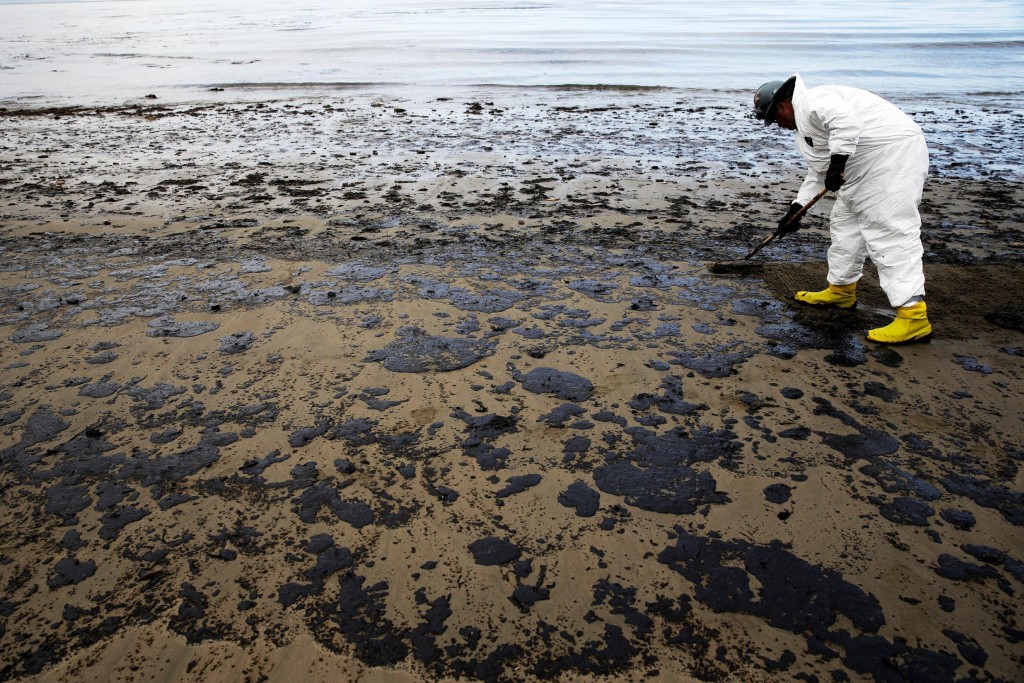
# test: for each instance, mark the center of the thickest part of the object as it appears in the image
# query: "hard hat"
(768, 95)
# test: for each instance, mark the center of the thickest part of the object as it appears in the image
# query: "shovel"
(740, 266)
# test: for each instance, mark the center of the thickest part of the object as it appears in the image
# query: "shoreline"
(443, 389)
(241, 93)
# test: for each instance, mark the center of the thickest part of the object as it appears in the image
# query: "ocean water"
(108, 52)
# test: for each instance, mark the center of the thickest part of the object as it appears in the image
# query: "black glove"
(784, 229)
(834, 175)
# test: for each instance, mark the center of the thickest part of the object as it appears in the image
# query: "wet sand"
(384, 388)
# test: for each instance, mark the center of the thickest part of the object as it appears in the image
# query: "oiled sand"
(384, 389)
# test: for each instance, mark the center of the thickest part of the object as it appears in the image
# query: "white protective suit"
(875, 214)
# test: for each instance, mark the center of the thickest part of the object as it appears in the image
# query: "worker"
(874, 156)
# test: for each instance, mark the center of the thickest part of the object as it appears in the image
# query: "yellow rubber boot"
(837, 296)
(911, 325)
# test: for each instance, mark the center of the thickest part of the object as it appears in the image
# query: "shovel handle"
(792, 219)
(800, 214)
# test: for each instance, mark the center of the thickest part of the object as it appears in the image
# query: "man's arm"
(812, 185)
(841, 121)
(833, 113)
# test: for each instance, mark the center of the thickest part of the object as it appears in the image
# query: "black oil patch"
(416, 351)
(988, 554)
(892, 479)
(790, 593)
(33, 333)
(356, 622)
(481, 431)
(518, 484)
(102, 358)
(168, 327)
(718, 363)
(70, 571)
(43, 425)
(304, 435)
(968, 647)
(971, 364)
(562, 414)
(613, 652)
(678, 490)
(1009, 316)
(622, 601)
(492, 551)
(325, 494)
(670, 401)
(488, 301)
(330, 559)
(67, 501)
(371, 397)
(99, 389)
(955, 569)
(191, 619)
(117, 519)
(960, 519)
(564, 385)
(908, 511)
(154, 397)
(353, 294)
(866, 444)
(237, 342)
(582, 498)
(658, 476)
(879, 390)
(986, 494)
(826, 330)
(777, 493)
(897, 661)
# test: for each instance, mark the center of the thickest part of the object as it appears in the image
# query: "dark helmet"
(768, 95)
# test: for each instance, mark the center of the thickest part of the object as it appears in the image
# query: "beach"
(383, 386)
